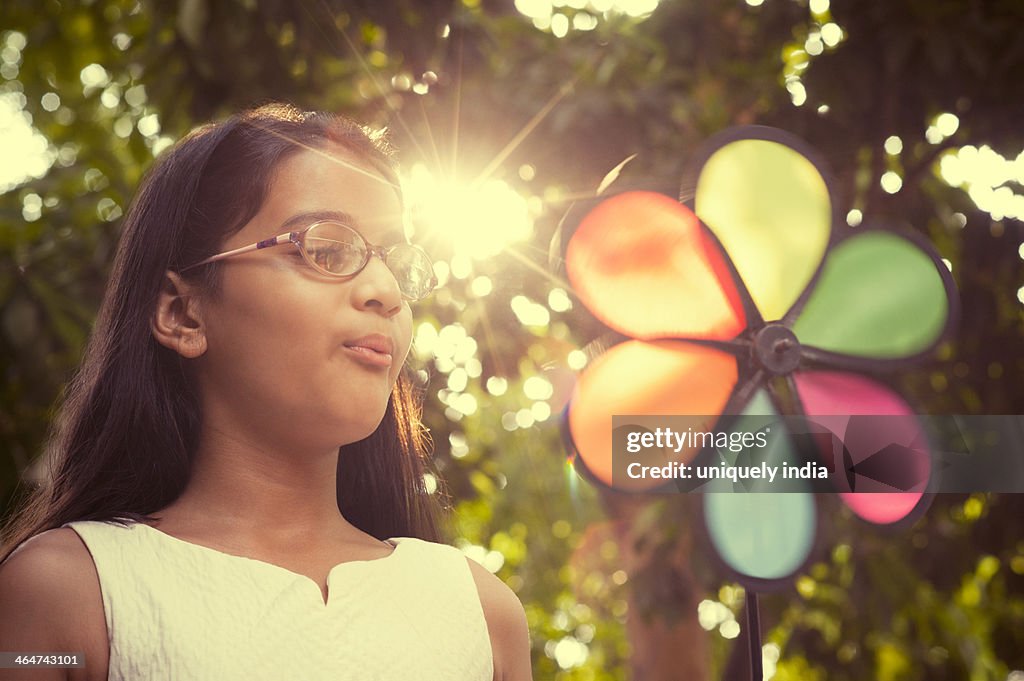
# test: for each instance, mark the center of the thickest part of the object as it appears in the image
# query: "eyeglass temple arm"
(266, 243)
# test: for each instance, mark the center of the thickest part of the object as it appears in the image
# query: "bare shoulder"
(506, 624)
(50, 601)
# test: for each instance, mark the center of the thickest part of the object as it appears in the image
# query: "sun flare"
(475, 220)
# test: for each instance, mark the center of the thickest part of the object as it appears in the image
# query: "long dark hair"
(122, 447)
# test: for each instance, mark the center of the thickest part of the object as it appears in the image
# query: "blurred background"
(504, 114)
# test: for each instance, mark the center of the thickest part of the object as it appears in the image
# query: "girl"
(236, 488)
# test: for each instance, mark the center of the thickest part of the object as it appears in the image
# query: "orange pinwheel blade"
(635, 378)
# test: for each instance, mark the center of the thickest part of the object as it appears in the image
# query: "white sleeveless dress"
(177, 610)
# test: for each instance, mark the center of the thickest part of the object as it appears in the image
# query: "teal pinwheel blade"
(763, 538)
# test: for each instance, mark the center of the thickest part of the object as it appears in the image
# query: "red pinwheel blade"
(646, 267)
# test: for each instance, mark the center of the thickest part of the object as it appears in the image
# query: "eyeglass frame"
(298, 238)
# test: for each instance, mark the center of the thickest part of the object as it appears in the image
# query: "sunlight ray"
(531, 265)
(572, 196)
(430, 133)
(374, 175)
(491, 346)
(525, 131)
(457, 113)
(376, 81)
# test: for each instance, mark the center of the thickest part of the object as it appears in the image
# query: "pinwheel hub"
(777, 349)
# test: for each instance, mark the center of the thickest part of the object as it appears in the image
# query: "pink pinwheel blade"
(886, 448)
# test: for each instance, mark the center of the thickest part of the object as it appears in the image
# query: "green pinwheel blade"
(879, 296)
(770, 208)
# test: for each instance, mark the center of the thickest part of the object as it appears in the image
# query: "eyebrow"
(304, 219)
(310, 217)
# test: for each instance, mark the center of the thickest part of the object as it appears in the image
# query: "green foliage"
(874, 608)
(457, 82)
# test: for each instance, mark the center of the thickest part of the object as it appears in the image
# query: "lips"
(374, 350)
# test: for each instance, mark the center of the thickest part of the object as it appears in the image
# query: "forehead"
(328, 180)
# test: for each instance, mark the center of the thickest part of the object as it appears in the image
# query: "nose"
(375, 288)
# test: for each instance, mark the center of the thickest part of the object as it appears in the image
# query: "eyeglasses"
(336, 250)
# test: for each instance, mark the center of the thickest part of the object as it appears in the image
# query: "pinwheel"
(746, 305)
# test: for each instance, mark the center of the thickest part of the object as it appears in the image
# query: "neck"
(260, 493)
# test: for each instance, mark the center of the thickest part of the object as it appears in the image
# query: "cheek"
(403, 341)
(253, 328)
(268, 329)
(406, 327)
(265, 357)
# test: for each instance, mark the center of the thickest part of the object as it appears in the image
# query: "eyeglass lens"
(340, 250)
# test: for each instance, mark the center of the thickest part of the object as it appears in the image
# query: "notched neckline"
(396, 542)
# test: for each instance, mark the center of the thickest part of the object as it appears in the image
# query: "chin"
(364, 428)
(353, 415)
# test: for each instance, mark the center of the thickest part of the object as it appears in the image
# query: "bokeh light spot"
(893, 145)
(891, 182)
(831, 34)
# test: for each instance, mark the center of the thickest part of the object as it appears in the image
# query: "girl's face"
(295, 355)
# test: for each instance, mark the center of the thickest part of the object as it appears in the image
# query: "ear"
(177, 320)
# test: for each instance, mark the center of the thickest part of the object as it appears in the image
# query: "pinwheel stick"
(754, 636)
